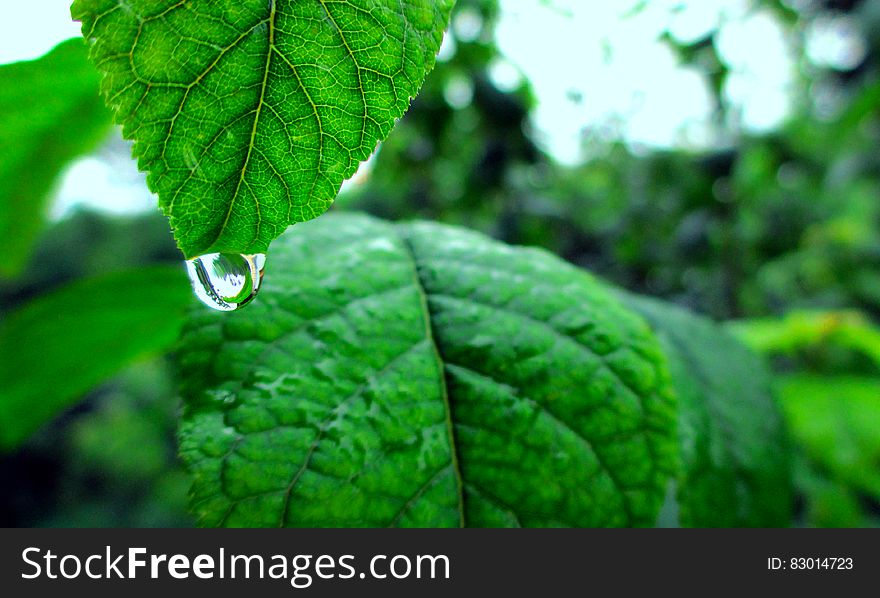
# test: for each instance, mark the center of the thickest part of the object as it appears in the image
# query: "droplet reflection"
(226, 281)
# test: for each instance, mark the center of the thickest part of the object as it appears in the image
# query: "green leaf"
(60, 345)
(804, 329)
(735, 454)
(50, 113)
(421, 375)
(249, 114)
(836, 420)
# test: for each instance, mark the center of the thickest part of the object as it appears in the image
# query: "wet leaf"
(421, 375)
(735, 453)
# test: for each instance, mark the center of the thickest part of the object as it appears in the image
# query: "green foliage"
(772, 222)
(414, 374)
(735, 453)
(799, 331)
(50, 113)
(87, 244)
(420, 375)
(248, 115)
(109, 463)
(831, 406)
(62, 344)
(834, 419)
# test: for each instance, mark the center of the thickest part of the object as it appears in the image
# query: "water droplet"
(226, 281)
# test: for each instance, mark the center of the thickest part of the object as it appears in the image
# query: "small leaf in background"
(60, 345)
(834, 419)
(734, 450)
(421, 375)
(803, 329)
(248, 115)
(50, 113)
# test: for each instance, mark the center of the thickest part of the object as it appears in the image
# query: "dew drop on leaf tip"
(226, 281)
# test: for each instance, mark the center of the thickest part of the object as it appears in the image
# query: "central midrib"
(429, 332)
(247, 158)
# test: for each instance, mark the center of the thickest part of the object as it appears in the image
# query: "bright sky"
(30, 29)
(597, 68)
(602, 68)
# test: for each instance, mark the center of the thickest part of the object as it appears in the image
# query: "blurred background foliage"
(774, 228)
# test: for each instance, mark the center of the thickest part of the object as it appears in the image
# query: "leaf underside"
(247, 115)
(420, 375)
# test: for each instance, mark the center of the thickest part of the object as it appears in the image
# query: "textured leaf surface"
(50, 113)
(249, 114)
(419, 375)
(60, 345)
(736, 460)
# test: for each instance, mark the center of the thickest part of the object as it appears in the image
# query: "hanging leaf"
(247, 115)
